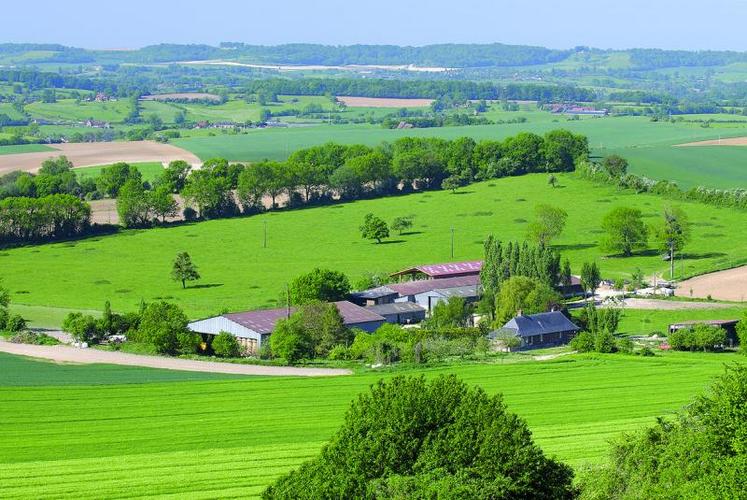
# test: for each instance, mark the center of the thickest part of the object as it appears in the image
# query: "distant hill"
(442, 55)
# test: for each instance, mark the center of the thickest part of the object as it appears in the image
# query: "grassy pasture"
(647, 144)
(647, 321)
(223, 438)
(149, 170)
(238, 273)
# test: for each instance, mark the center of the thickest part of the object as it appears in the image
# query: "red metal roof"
(445, 270)
(264, 320)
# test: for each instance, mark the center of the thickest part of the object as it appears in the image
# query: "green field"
(24, 148)
(646, 321)
(230, 438)
(238, 273)
(647, 144)
(149, 170)
(69, 109)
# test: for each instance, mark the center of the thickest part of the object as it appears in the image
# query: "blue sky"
(683, 24)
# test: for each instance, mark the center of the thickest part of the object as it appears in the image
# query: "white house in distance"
(253, 328)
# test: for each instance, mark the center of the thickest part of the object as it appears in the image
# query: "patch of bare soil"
(730, 284)
(731, 141)
(383, 102)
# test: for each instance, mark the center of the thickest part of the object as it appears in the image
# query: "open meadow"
(100, 431)
(239, 274)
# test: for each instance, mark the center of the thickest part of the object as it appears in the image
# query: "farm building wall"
(546, 340)
(249, 340)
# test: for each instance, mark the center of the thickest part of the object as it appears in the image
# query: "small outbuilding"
(548, 329)
(401, 313)
(728, 325)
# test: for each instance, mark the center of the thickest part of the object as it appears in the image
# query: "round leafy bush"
(226, 345)
(412, 438)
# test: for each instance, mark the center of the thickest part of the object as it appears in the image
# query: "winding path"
(66, 354)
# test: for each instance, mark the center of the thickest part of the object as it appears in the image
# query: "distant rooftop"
(446, 270)
(374, 293)
(459, 291)
(396, 308)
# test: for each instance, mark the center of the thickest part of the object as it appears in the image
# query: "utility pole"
(452, 242)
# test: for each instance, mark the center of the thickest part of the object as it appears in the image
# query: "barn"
(253, 328)
(402, 313)
(440, 271)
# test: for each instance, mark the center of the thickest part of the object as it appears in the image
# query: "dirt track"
(88, 154)
(732, 141)
(65, 354)
(671, 305)
(723, 285)
(383, 102)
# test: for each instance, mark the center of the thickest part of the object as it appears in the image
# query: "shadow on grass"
(391, 242)
(206, 285)
(698, 256)
(577, 246)
(410, 233)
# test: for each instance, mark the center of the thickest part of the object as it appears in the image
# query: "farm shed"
(540, 330)
(253, 328)
(431, 298)
(441, 271)
(402, 313)
(573, 290)
(729, 325)
(410, 289)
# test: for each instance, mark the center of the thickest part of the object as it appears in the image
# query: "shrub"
(161, 325)
(583, 342)
(189, 214)
(604, 342)
(701, 453)
(290, 341)
(624, 345)
(339, 353)
(409, 438)
(15, 323)
(4, 315)
(83, 328)
(226, 345)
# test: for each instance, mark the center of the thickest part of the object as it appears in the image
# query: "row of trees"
(37, 219)
(699, 337)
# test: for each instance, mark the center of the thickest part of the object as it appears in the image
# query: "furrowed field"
(230, 438)
(238, 273)
(647, 144)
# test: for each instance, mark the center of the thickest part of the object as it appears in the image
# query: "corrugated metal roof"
(422, 286)
(263, 321)
(459, 291)
(542, 323)
(397, 308)
(446, 269)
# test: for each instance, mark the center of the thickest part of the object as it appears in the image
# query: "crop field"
(24, 148)
(238, 273)
(383, 102)
(104, 431)
(648, 145)
(730, 284)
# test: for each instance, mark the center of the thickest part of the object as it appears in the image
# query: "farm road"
(66, 354)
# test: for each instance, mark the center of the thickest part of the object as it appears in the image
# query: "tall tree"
(590, 277)
(673, 233)
(374, 228)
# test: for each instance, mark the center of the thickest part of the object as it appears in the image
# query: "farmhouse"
(728, 325)
(253, 328)
(440, 271)
(540, 330)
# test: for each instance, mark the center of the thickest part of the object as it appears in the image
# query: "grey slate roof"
(539, 324)
(396, 308)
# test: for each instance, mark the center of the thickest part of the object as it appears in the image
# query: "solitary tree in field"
(374, 228)
(402, 224)
(552, 180)
(549, 222)
(625, 230)
(615, 165)
(453, 183)
(184, 269)
(673, 233)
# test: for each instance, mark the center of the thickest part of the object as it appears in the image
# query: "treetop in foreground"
(412, 438)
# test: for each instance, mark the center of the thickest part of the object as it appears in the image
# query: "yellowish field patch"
(729, 141)
(383, 102)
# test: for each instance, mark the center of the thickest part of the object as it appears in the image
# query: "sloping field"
(192, 96)
(383, 102)
(230, 438)
(238, 273)
(89, 154)
(730, 284)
